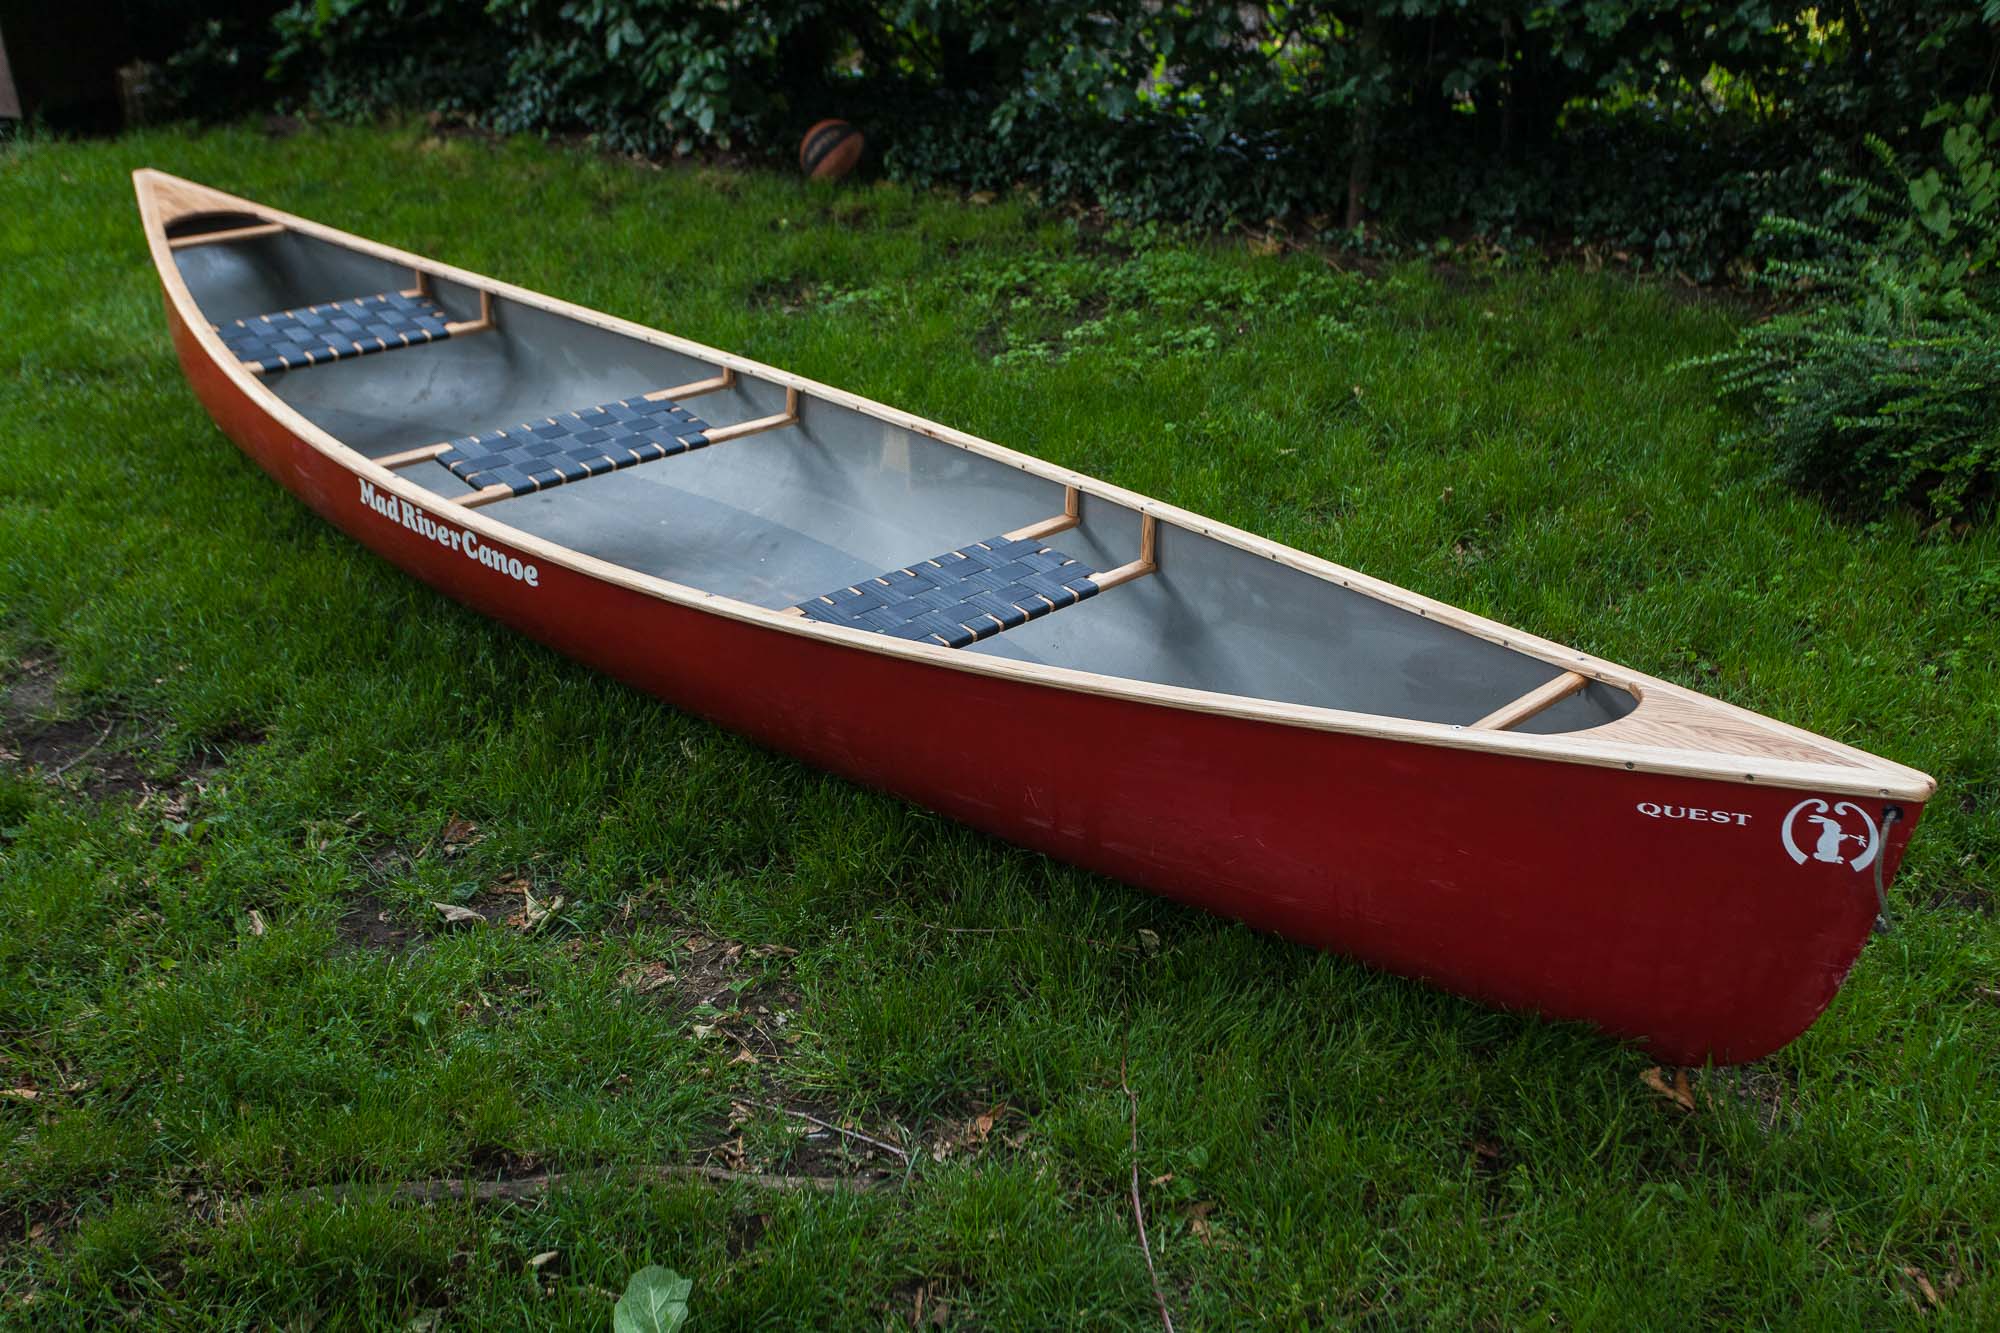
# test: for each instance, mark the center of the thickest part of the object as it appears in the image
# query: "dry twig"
(850, 1133)
(520, 1188)
(84, 753)
(1138, 1211)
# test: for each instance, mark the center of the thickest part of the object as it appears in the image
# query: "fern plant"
(1885, 388)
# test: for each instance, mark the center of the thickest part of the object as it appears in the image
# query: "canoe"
(1057, 661)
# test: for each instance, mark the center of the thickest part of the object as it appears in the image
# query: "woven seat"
(316, 334)
(962, 596)
(586, 443)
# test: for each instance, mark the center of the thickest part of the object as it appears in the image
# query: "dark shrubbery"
(1663, 130)
(1888, 389)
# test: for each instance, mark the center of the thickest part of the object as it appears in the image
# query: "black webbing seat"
(315, 334)
(961, 596)
(586, 443)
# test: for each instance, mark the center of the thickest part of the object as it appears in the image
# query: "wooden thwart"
(232, 234)
(409, 456)
(788, 417)
(1147, 563)
(1049, 527)
(695, 387)
(459, 328)
(486, 495)
(456, 328)
(1533, 702)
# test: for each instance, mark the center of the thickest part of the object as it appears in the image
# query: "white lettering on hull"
(466, 543)
(1654, 810)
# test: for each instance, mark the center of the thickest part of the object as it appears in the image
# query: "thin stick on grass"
(850, 1133)
(995, 930)
(1138, 1210)
(521, 1189)
(84, 753)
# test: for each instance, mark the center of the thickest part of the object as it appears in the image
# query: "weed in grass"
(1318, 1143)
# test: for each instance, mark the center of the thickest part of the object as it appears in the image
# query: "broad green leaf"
(1924, 189)
(655, 1301)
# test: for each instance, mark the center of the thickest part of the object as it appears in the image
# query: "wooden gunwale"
(1632, 743)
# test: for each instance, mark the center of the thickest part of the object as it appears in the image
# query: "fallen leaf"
(534, 912)
(454, 915)
(543, 1258)
(1265, 246)
(744, 1057)
(982, 1125)
(703, 1031)
(646, 977)
(1198, 1223)
(20, 1094)
(459, 834)
(1678, 1092)
(1931, 1296)
(981, 197)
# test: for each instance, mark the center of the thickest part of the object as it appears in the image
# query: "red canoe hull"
(1574, 891)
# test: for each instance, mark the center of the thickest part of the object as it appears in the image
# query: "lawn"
(243, 1059)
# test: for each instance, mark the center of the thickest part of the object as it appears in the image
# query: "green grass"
(290, 727)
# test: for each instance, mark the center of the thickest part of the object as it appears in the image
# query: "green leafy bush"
(1657, 131)
(1886, 389)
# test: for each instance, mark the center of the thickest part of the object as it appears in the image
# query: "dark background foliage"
(1648, 133)
(1660, 130)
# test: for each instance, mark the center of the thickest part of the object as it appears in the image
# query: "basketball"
(830, 150)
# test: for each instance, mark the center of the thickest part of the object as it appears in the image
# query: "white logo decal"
(467, 544)
(1830, 843)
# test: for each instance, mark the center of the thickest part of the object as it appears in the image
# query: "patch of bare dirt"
(371, 926)
(787, 296)
(77, 753)
(741, 1001)
(928, 1302)
(94, 755)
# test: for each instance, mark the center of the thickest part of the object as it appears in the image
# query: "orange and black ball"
(830, 150)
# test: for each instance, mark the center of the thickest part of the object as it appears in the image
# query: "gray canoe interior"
(786, 515)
